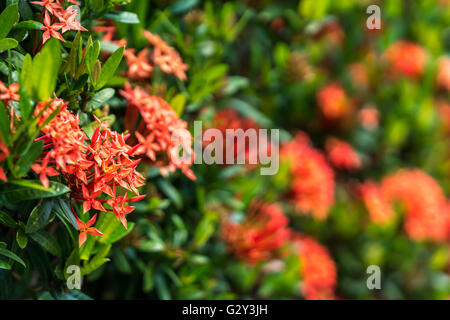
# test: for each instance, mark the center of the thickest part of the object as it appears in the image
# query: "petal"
(82, 238)
(94, 232)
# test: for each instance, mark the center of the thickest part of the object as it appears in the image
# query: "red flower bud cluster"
(342, 155)
(157, 126)
(94, 168)
(141, 66)
(318, 270)
(312, 185)
(427, 214)
(57, 19)
(264, 229)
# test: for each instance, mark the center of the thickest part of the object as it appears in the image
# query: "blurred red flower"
(333, 102)
(154, 123)
(342, 155)
(317, 269)
(312, 185)
(263, 230)
(405, 58)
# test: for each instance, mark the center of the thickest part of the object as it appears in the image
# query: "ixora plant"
(94, 202)
(62, 165)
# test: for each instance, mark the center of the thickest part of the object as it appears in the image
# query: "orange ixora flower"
(166, 57)
(424, 202)
(369, 117)
(317, 269)
(263, 231)
(379, 208)
(341, 155)
(94, 168)
(333, 102)
(230, 119)
(405, 58)
(443, 75)
(426, 210)
(86, 228)
(8, 95)
(59, 18)
(156, 123)
(312, 185)
(139, 67)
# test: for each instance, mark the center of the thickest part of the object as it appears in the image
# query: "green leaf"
(64, 213)
(75, 54)
(5, 132)
(178, 102)
(182, 6)
(4, 265)
(171, 192)
(92, 55)
(24, 163)
(96, 72)
(124, 17)
(109, 68)
(97, 261)
(13, 256)
(6, 220)
(39, 217)
(100, 99)
(22, 239)
(26, 108)
(29, 24)
(21, 190)
(46, 241)
(112, 228)
(8, 17)
(8, 43)
(44, 73)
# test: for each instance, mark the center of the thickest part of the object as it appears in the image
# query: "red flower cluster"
(333, 102)
(58, 19)
(312, 186)
(92, 167)
(230, 119)
(156, 130)
(405, 58)
(318, 270)
(263, 231)
(369, 117)
(427, 215)
(379, 208)
(443, 75)
(341, 155)
(7, 95)
(140, 66)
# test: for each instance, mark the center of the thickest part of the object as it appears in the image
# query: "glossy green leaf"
(5, 132)
(21, 190)
(124, 17)
(24, 163)
(97, 261)
(8, 43)
(46, 241)
(109, 68)
(13, 256)
(100, 99)
(6, 220)
(8, 17)
(45, 68)
(22, 239)
(39, 217)
(29, 24)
